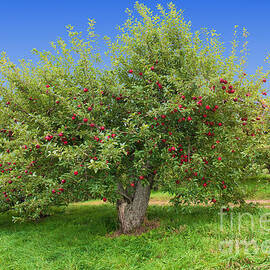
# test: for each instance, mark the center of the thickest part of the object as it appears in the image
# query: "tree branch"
(125, 195)
(122, 192)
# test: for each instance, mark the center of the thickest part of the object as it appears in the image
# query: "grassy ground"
(258, 187)
(80, 239)
(77, 239)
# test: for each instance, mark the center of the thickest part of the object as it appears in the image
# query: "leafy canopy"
(170, 111)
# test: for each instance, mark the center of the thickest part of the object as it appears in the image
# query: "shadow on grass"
(100, 220)
(257, 187)
(78, 239)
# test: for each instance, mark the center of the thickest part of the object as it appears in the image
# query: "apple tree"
(170, 111)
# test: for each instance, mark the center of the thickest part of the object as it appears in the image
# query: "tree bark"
(131, 213)
(268, 167)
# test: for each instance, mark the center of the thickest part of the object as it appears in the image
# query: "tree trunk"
(268, 167)
(131, 213)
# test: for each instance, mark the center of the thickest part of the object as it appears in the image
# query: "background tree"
(171, 110)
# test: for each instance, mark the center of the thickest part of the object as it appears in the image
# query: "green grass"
(258, 187)
(158, 195)
(77, 239)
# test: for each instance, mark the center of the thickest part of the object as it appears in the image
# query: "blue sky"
(33, 24)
